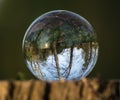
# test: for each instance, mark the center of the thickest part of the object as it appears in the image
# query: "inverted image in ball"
(60, 45)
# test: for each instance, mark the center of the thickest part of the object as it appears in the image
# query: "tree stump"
(85, 89)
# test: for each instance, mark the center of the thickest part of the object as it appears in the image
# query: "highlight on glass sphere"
(60, 45)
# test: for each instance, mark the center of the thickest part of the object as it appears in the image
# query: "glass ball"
(60, 45)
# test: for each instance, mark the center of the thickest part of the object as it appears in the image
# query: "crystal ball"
(60, 45)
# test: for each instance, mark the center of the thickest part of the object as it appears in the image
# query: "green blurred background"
(17, 15)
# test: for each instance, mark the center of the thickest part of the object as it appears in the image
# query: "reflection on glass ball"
(60, 45)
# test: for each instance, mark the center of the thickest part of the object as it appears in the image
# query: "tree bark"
(70, 64)
(85, 89)
(56, 59)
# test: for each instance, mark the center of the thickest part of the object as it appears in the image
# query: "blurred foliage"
(20, 76)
